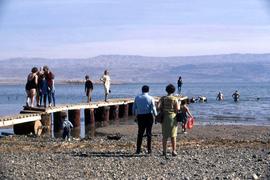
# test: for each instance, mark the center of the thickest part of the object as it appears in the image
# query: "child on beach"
(67, 125)
(184, 113)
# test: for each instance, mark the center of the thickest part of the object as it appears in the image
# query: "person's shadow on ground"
(106, 154)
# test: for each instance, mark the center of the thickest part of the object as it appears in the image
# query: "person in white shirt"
(107, 83)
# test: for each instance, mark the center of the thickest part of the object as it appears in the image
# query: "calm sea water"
(248, 111)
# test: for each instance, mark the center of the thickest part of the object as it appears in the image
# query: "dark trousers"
(145, 122)
(66, 133)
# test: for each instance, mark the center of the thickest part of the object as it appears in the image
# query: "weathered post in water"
(126, 110)
(57, 121)
(74, 117)
(114, 112)
(46, 120)
(87, 117)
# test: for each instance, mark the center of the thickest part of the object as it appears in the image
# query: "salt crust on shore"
(206, 152)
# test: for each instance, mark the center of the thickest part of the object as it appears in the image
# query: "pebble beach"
(206, 152)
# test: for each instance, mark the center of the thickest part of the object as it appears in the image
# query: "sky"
(88, 28)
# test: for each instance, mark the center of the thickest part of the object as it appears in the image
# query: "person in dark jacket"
(88, 88)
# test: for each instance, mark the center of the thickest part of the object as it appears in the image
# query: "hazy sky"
(86, 28)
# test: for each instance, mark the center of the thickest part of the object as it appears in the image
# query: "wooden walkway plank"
(34, 113)
(22, 118)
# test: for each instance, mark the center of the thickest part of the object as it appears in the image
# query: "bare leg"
(173, 139)
(106, 97)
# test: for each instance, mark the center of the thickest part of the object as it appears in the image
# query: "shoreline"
(206, 152)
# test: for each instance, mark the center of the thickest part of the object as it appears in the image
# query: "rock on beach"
(206, 152)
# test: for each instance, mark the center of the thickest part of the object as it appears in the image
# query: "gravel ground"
(206, 152)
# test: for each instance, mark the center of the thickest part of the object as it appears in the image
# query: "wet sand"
(206, 152)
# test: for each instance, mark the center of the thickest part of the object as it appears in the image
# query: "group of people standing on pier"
(39, 87)
(146, 111)
(106, 81)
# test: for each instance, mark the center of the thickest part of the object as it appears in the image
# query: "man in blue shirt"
(144, 108)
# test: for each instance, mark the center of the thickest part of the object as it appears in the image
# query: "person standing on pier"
(107, 83)
(88, 88)
(43, 87)
(144, 108)
(179, 84)
(51, 89)
(31, 87)
(169, 106)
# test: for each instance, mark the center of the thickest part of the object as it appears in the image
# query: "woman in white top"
(107, 83)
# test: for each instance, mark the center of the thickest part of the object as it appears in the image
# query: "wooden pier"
(39, 120)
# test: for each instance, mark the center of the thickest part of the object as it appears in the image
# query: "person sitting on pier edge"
(107, 83)
(67, 125)
(144, 108)
(169, 106)
(88, 88)
(220, 96)
(236, 96)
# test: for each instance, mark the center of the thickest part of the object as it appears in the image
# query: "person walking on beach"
(236, 96)
(51, 89)
(144, 108)
(31, 87)
(88, 88)
(184, 113)
(107, 83)
(169, 106)
(67, 125)
(179, 84)
(220, 96)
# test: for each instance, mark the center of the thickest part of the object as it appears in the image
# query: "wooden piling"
(130, 109)
(106, 113)
(114, 112)
(92, 114)
(74, 117)
(46, 121)
(126, 108)
(87, 117)
(57, 121)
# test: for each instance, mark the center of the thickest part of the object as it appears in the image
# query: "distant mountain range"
(132, 69)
